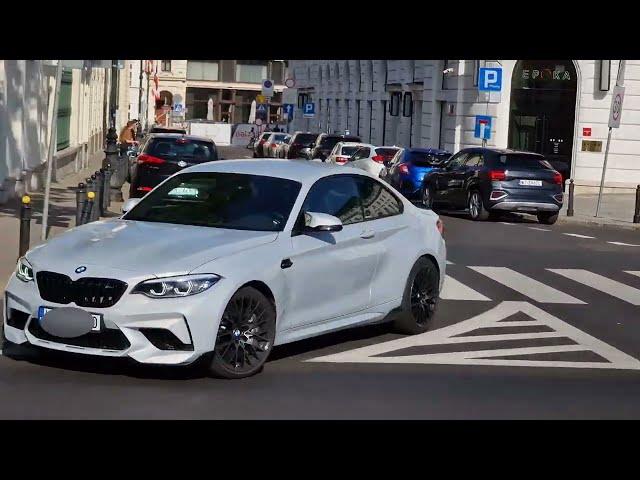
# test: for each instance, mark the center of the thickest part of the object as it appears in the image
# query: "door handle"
(368, 234)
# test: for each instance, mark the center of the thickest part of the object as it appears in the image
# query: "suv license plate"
(531, 183)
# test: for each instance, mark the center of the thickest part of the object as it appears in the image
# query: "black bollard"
(25, 226)
(81, 199)
(636, 215)
(107, 181)
(88, 207)
(570, 204)
(94, 188)
(103, 192)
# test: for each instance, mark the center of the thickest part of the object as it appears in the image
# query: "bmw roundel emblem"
(81, 269)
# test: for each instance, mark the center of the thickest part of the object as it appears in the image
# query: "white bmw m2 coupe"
(227, 259)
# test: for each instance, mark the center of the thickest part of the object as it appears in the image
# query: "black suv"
(165, 154)
(298, 141)
(325, 142)
(489, 180)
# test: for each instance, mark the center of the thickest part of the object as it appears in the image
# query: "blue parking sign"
(490, 80)
(483, 127)
(309, 109)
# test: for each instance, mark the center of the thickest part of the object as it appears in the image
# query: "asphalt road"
(534, 323)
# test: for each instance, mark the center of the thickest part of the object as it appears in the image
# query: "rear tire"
(547, 218)
(477, 212)
(245, 335)
(420, 298)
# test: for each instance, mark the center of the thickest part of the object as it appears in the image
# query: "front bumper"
(134, 327)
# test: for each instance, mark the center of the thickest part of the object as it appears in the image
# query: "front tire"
(245, 335)
(547, 218)
(477, 212)
(420, 298)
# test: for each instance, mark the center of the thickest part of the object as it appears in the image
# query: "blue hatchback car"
(408, 168)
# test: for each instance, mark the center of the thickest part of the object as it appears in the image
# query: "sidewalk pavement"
(62, 216)
(616, 210)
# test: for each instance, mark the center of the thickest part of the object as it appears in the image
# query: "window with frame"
(202, 70)
(407, 104)
(338, 196)
(394, 105)
(377, 200)
(251, 71)
(165, 65)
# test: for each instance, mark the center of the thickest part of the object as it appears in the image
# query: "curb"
(597, 222)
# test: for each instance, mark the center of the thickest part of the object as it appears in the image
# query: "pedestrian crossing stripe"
(567, 339)
(454, 289)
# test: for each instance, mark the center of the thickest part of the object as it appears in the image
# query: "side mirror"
(305, 152)
(321, 222)
(129, 204)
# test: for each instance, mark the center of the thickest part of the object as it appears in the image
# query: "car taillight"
(378, 158)
(557, 178)
(342, 159)
(149, 160)
(144, 189)
(440, 226)
(403, 168)
(497, 175)
(261, 141)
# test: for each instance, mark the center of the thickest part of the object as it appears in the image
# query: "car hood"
(145, 248)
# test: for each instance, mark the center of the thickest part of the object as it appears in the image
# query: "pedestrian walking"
(127, 137)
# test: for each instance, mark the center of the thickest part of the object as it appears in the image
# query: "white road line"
(533, 289)
(507, 223)
(598, 282)
(454, 290)
(540, 229)
(633, 272)
(624, 244)
(613, 358)
(450, 263)
(577, 235)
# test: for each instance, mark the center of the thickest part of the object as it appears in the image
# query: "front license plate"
(97, 318)
(531, 183)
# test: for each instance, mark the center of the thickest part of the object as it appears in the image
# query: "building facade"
(559, 108)
(26, 118)
(218, 90)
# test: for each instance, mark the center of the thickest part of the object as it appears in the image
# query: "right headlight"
(24, 270)
(173, 287)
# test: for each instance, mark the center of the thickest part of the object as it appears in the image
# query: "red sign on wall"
(586, 131)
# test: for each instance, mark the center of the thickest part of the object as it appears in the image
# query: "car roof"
(181, 135)
(503, 151)
(432, 151)
(304, 171)
(354, 144)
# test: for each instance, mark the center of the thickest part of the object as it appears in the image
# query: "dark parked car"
(258, 150)
(325, 142)
(158, 129)
(490, 180)
(407, 169)
(165, 154)
(298, 141)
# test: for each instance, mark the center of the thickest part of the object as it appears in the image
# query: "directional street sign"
(309, 110)
(483, 127)
(490, 80)
(287, 109)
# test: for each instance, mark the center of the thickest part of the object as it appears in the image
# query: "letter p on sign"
(490, 80)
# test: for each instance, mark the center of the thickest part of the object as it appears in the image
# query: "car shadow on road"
(130, 368)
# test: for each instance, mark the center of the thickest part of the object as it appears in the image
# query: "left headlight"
(24, 271)
(172, 287)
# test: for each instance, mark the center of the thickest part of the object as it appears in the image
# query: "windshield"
(222, 200)
(523, 161)
(194, 151)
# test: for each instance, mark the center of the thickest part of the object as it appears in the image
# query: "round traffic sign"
(290, 83)
(258, 121)
(617, 106)
(268, 84)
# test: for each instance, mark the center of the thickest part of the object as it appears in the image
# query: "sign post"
(614, 122)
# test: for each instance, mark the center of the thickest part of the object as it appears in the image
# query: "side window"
(457, 160)
(336, 149)
(377, 201)
(474, 160)
(397, 156)
(337, 196)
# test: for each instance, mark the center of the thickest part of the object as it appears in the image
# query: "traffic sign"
(261, 111)
(290, 83)
(287, 108)
(267, 88)
(490, 80)
(616, 107)
(261, 99)
(309, 110)
(483, 127)
(178, 108)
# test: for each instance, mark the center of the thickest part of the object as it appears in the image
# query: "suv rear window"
(350, 150)
(195, 151)
(305, 138)
(426, 159)
(279, 138)
(532, 162)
